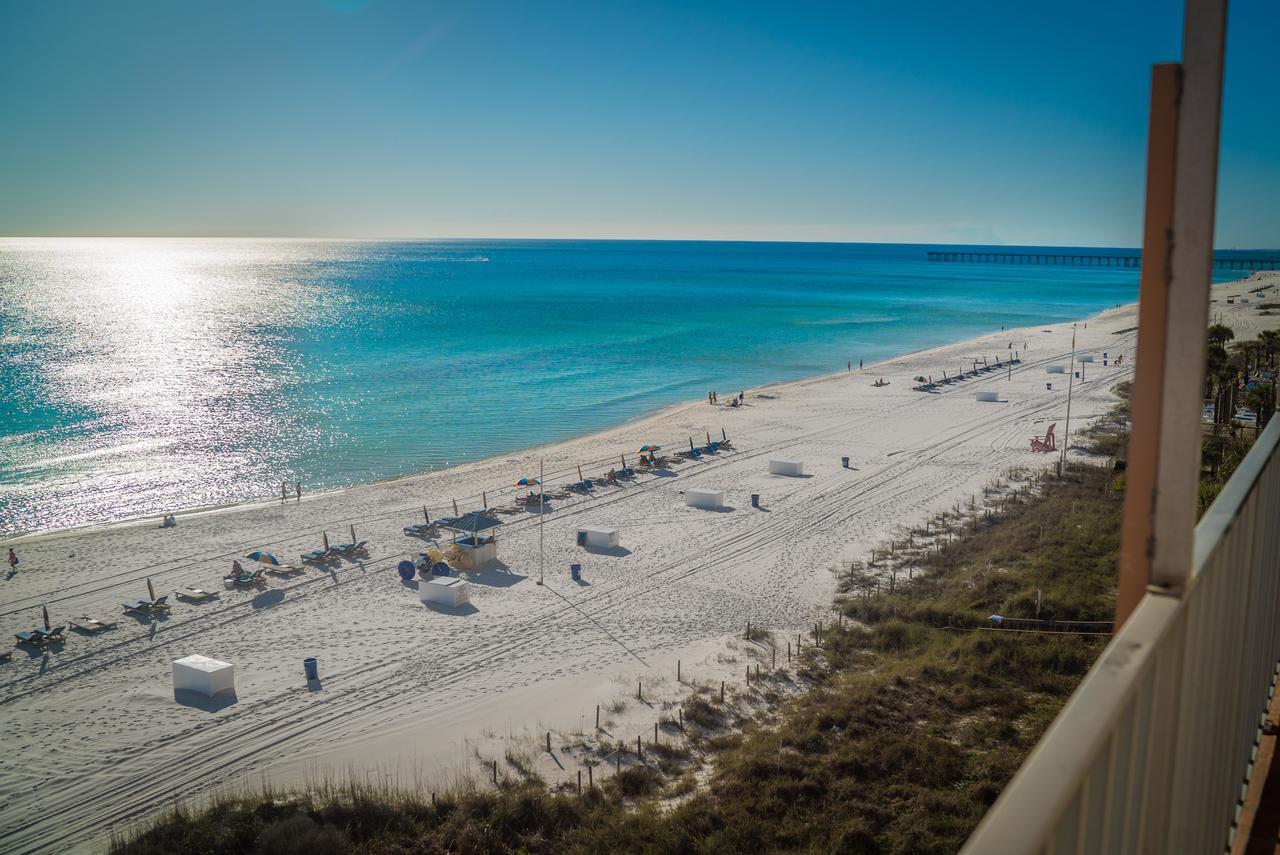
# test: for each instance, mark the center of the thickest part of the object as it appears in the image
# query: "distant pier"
(1087, 260)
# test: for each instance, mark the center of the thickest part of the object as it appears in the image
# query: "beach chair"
(1046, 442)
(318, 556)
(351, 548)
(246, 580)
(40, 637)
(424, 530)
(196, 595)
(147, 607)
(92, 624)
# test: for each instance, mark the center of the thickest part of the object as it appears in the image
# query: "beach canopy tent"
(475, 548)
(201, 674)
(471, 523)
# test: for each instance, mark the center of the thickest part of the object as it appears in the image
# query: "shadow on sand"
(615, 551)
(494, 574)
(267, 599)
(220, 701)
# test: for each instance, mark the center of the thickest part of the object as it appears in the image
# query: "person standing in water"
(297, 490)
(282, 492)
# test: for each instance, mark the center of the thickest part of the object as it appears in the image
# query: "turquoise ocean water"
(143, 376)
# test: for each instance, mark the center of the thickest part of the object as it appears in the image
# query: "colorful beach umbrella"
(649, 446)
(527, 482)
(263, 557)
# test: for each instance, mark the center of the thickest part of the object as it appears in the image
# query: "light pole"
(1066, 431)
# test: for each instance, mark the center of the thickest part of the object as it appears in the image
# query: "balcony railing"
(1152, 751)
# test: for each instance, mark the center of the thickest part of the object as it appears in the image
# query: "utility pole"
(1066, 431)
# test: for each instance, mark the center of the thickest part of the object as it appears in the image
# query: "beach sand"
(95, 738)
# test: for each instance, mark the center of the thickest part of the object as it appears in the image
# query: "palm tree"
(1270, 341)
(1220, 334)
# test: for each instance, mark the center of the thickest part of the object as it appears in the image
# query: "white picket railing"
(1152, 751)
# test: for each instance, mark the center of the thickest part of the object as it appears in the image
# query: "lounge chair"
(317, 556)
(92, 624)
(350, 548)
(39, 637)
(1046, 442)
(196, 595)
(147, 607)
(691, 454)
(245, 580)
(427, 530)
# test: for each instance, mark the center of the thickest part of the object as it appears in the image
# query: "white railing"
(1152, 751)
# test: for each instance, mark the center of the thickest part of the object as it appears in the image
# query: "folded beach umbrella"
(324, 535)
(263, 557)
(528, 482)
(45, 609)
(151, 588)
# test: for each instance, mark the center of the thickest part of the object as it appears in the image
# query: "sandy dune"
(94, 737)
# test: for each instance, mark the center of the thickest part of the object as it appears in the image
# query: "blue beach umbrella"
(528, 482)
(263, 557)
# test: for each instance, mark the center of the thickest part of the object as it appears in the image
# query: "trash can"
(582, 537)
(406, 570)
(755, 500)
(313, 670)
(844, 461)
(1049, 386)
(575, 572)
(440, 568)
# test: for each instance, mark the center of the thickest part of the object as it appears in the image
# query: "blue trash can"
(582, 538)
(313, 670)
(575, 572)
(755, 500)
(406, 570)
(440, 569)
(844, 461)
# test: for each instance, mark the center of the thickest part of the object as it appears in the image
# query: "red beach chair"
(1046, 442)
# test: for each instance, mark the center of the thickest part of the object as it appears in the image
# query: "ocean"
(141, 376)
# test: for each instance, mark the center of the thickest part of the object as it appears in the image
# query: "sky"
(938, 122)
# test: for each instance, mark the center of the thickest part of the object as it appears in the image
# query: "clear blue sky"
(1009, 122)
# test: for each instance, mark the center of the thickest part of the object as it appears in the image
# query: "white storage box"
(986, 396)
(1087, 357)
(704, 498)
(444, 591)
(599, 538)
(786, 467)
(1056, 369)
(204, 675)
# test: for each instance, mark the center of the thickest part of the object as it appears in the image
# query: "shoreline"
(523, 451)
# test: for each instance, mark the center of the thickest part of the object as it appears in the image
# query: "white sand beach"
(95, 738)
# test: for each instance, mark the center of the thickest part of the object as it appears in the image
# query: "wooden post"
(639, 690)
(590, 781)
(548, 742)
(495, 771)
(655, 733)
(639, 749)
(1177, 261)
(788, 652)
(680, 713)
(678, 680)
(722, 691)
(597, 716)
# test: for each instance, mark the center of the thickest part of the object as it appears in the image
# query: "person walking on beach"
(297, 490)
(282, 492)
(13, 561)
(859, 364)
